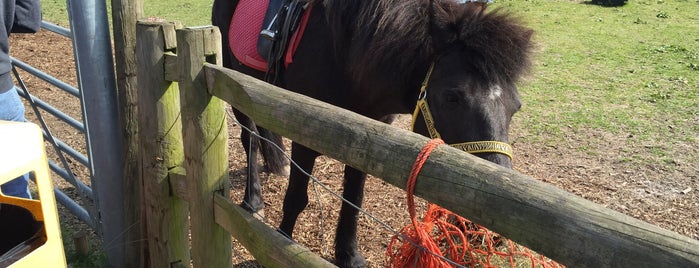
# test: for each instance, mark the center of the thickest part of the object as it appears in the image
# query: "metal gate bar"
(46, 77)
(56, 112)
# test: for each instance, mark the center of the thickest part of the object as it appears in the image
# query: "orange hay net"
(445, 239)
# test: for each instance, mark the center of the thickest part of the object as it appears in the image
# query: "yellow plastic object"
(22, 151)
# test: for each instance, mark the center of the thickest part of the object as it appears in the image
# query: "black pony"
(372, 57)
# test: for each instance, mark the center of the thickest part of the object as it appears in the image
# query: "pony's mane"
(393, 36)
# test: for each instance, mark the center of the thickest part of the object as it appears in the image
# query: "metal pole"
(96, 80)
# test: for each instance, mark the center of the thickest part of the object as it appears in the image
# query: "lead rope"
(417, 248)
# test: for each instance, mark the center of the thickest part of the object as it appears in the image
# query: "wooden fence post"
(161, 147)
(206, 145)
(125, 13)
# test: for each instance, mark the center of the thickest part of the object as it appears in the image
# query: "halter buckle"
(423, 93)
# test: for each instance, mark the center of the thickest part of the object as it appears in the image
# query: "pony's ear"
(443, 28)
(499, 39)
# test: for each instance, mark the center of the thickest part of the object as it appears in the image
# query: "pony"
(380, 58)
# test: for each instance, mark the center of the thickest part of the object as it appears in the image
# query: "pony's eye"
(452, 96)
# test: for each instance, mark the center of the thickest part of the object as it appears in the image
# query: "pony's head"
(477, 58)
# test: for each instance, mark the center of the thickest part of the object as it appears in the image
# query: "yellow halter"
(469, 147)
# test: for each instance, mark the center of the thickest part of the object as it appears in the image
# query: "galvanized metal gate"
(89, 32)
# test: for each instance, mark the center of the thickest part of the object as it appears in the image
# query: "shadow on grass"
(606, 3)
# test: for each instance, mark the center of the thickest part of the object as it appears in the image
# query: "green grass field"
(192, 13)
(629, 72)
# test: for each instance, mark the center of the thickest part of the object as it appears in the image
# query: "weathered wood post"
(125, 13)
(161, 147)
(206, 145)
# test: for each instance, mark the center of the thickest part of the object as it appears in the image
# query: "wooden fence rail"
(560, 225)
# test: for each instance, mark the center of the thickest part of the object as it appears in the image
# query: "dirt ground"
(662, 195)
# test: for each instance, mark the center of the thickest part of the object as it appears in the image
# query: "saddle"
(263, 35)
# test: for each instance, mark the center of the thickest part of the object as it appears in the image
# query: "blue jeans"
(12, 109)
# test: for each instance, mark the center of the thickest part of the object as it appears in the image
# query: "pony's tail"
(275, 160)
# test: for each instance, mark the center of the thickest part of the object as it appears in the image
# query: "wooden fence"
(183, 127)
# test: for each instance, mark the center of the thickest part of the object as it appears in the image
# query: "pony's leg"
(252, 201)
(221, 15)
(346, 253)
(275, 160)
(296, 197)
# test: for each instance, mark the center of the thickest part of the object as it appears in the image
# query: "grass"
(95, 258)
(191, 13)
(630, 72)
(624, 70)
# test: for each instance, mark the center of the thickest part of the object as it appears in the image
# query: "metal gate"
(97, 93)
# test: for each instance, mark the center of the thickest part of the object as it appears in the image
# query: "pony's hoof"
(260, 215)
(354, 261)
(285, 234)
(257, 213)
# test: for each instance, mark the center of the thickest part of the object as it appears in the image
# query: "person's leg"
(12, 109)
(18, 187)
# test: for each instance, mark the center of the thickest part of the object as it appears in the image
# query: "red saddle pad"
(245, 28)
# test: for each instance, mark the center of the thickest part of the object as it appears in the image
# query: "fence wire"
(324, 187)
(482, 248)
